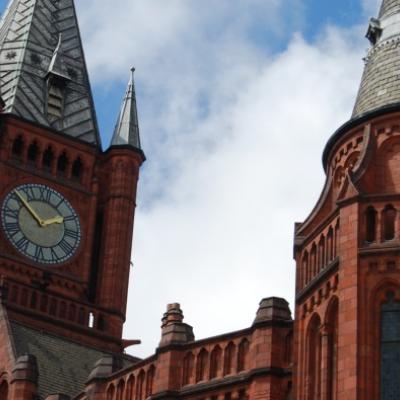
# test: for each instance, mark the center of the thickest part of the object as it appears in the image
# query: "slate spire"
(43, 74)
(127, 126)
(380, 85)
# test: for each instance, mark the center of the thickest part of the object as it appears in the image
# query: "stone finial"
(273, 309)
(26, 369)
(173, 329)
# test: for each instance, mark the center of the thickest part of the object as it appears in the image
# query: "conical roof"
(127, 126)
(380, 85)
(41, 55)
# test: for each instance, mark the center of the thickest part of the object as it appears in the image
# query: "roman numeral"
(12, 228)
(30, 194)
(11, 213)
(22, 244)
(45, 194)
(72, 234)
(65, 247)
(39, 253)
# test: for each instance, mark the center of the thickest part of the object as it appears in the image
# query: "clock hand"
(55, 220)
(29, 208)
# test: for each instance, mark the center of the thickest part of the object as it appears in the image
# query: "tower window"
(18, 147)
(77, 168)
(32, 153)
(370, 216)
(389, 218)
(48, 159)
(62, 164)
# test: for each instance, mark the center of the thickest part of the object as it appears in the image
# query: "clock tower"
(66, 206)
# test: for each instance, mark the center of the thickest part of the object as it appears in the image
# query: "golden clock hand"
(29, 208)
(55, 220)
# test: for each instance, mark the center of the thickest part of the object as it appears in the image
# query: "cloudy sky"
(236, 99)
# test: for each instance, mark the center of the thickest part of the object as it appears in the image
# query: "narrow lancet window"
(390, 349)
(370, 217)
(389, 218)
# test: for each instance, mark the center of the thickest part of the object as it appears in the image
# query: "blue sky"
(237, 99)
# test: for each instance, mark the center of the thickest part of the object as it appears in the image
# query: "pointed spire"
(380, 85)
(127, 128)
(39, 39)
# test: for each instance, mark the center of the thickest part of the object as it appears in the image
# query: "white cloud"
(234, 133)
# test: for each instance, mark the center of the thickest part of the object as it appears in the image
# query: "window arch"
(149, 380)
(229, 358)
(47, 159)
(32, 154)
(321, 253)
(313, 383)
(388, 220)
(215, 362)
(390, 348)
(305, 270)
(120, 389)
(77, 169)
(130, 388)
(62, 164)
(110, 392)
(139, 386)
(17, 148)
(329, 243)
(243, 353)
(4, 390)
(201, 364)
(188, 369)
(313, 261)
(332, 320)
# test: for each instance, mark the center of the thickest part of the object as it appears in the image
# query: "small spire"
(127, 127)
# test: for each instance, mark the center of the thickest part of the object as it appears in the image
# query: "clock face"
(41, 224)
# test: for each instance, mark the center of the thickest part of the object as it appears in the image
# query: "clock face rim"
(73, 218)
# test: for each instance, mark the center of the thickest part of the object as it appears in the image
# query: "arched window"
(304, 277)
(149, 380)
(389, 218)
(77, 169)
(62, 164)
(314, 359)
(188, 369)
(18, 148)
(390, 348)
(72, 312)
(120, 389)
(140, 386)
(215, 362)
(201, 364)
(4, 391)
(33, 151)
(332, 354)
(243, 353)
(330, 245)
(47, 160)
(110, 392)
(130, 388)
(53, 307)
(229, 358)
(321, 253)
(313, 261)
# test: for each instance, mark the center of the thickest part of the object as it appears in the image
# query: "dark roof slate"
(64, 366)
(38, 40)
